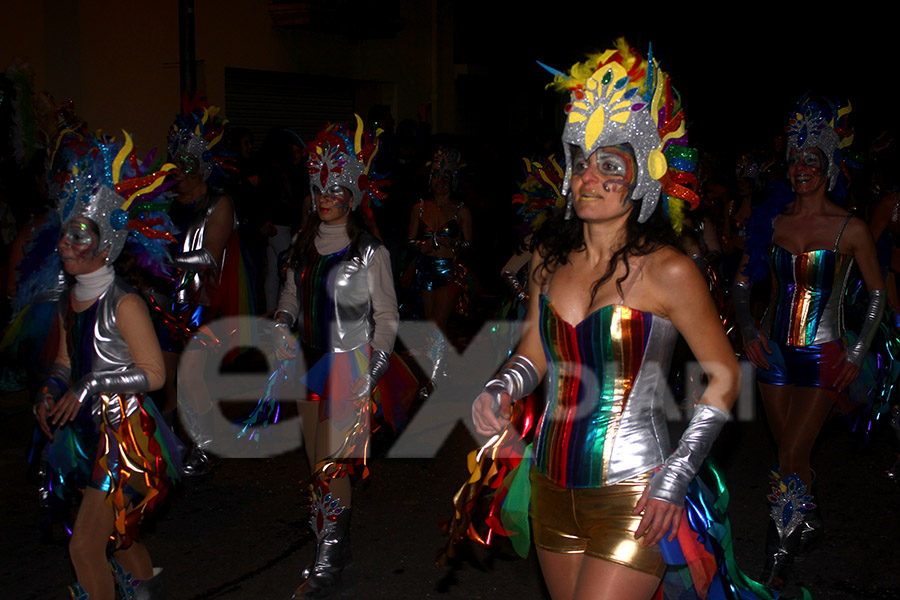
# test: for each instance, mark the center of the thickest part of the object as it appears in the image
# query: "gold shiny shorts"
(595, 521)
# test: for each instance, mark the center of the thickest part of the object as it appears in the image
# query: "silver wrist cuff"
(518, 378)
(740, 298)
(670, 483)
(195, 260)
(378, 366)
(513, 284)
(127, 381)
(857, 352)
(283, 319)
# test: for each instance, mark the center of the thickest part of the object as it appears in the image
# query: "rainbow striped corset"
(606, 381)
(807, 291)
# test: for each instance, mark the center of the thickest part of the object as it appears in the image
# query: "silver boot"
(130, 588)
(200, 428)
(325, 577)
(790, 536)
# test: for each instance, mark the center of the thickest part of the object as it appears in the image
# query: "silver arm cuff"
(670, 483)
(740, 298)
(857, 352)
(378, 366)
(509, 278)
(284, 319)
(518, 378)
(129, 380)
(195, 260)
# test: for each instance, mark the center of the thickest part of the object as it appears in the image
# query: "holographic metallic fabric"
(118, 443)
(603, 421)
(807, 293)
(316, 292)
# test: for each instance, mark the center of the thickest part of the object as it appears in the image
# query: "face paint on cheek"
(335, 198)
(617, 163)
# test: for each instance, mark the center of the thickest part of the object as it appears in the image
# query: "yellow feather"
(126, 149)
(357, 138)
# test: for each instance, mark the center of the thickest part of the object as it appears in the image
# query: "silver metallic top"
(363, 287)
(199, 286)
(110, 353)
(642, 440)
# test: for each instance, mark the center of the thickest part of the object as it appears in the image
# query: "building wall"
(119, 63)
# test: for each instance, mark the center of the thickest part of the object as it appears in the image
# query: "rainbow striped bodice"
(606, 381)
(807, 292)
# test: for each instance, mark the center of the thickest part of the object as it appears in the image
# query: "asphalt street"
(241, 533)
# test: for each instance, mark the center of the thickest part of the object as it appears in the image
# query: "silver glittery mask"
(332, 166)
(84, 196)
(809, 127)
(607, 112)
(184, 143)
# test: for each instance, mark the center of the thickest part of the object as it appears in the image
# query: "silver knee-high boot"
(130, 588)
(200, 426)
(795, 529)
(325, 577)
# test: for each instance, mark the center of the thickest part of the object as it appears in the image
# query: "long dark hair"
(306, 239)
(559, 237)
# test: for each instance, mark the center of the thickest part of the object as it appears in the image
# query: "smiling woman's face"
(807, 170)
(602, 183)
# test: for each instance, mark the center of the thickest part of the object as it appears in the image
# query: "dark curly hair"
(559, 237)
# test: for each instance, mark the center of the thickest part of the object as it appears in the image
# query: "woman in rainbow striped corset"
(807, 243)
(609, 295)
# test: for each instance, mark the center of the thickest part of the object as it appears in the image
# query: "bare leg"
(429, 297)
(444, 303)
(195, 392)
(560, 572)
(580, 577)
(136, 560)
(604, 580)
(776, 399)
(808, 409)
(87, 548)
(321, 439)
(169, 393)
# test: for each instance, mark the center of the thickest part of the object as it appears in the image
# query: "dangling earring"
(570, 205)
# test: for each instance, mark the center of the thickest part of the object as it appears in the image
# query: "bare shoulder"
(856, 235)
(224, 203)
(670, 268)
(223, 212)
(674, 282)
(130, 306)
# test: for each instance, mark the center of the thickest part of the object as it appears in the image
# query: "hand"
(659, 517)
(756, 351)
(285, 344)
(65, 409)
(42, 411)
(847, 374)
(488, 422)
